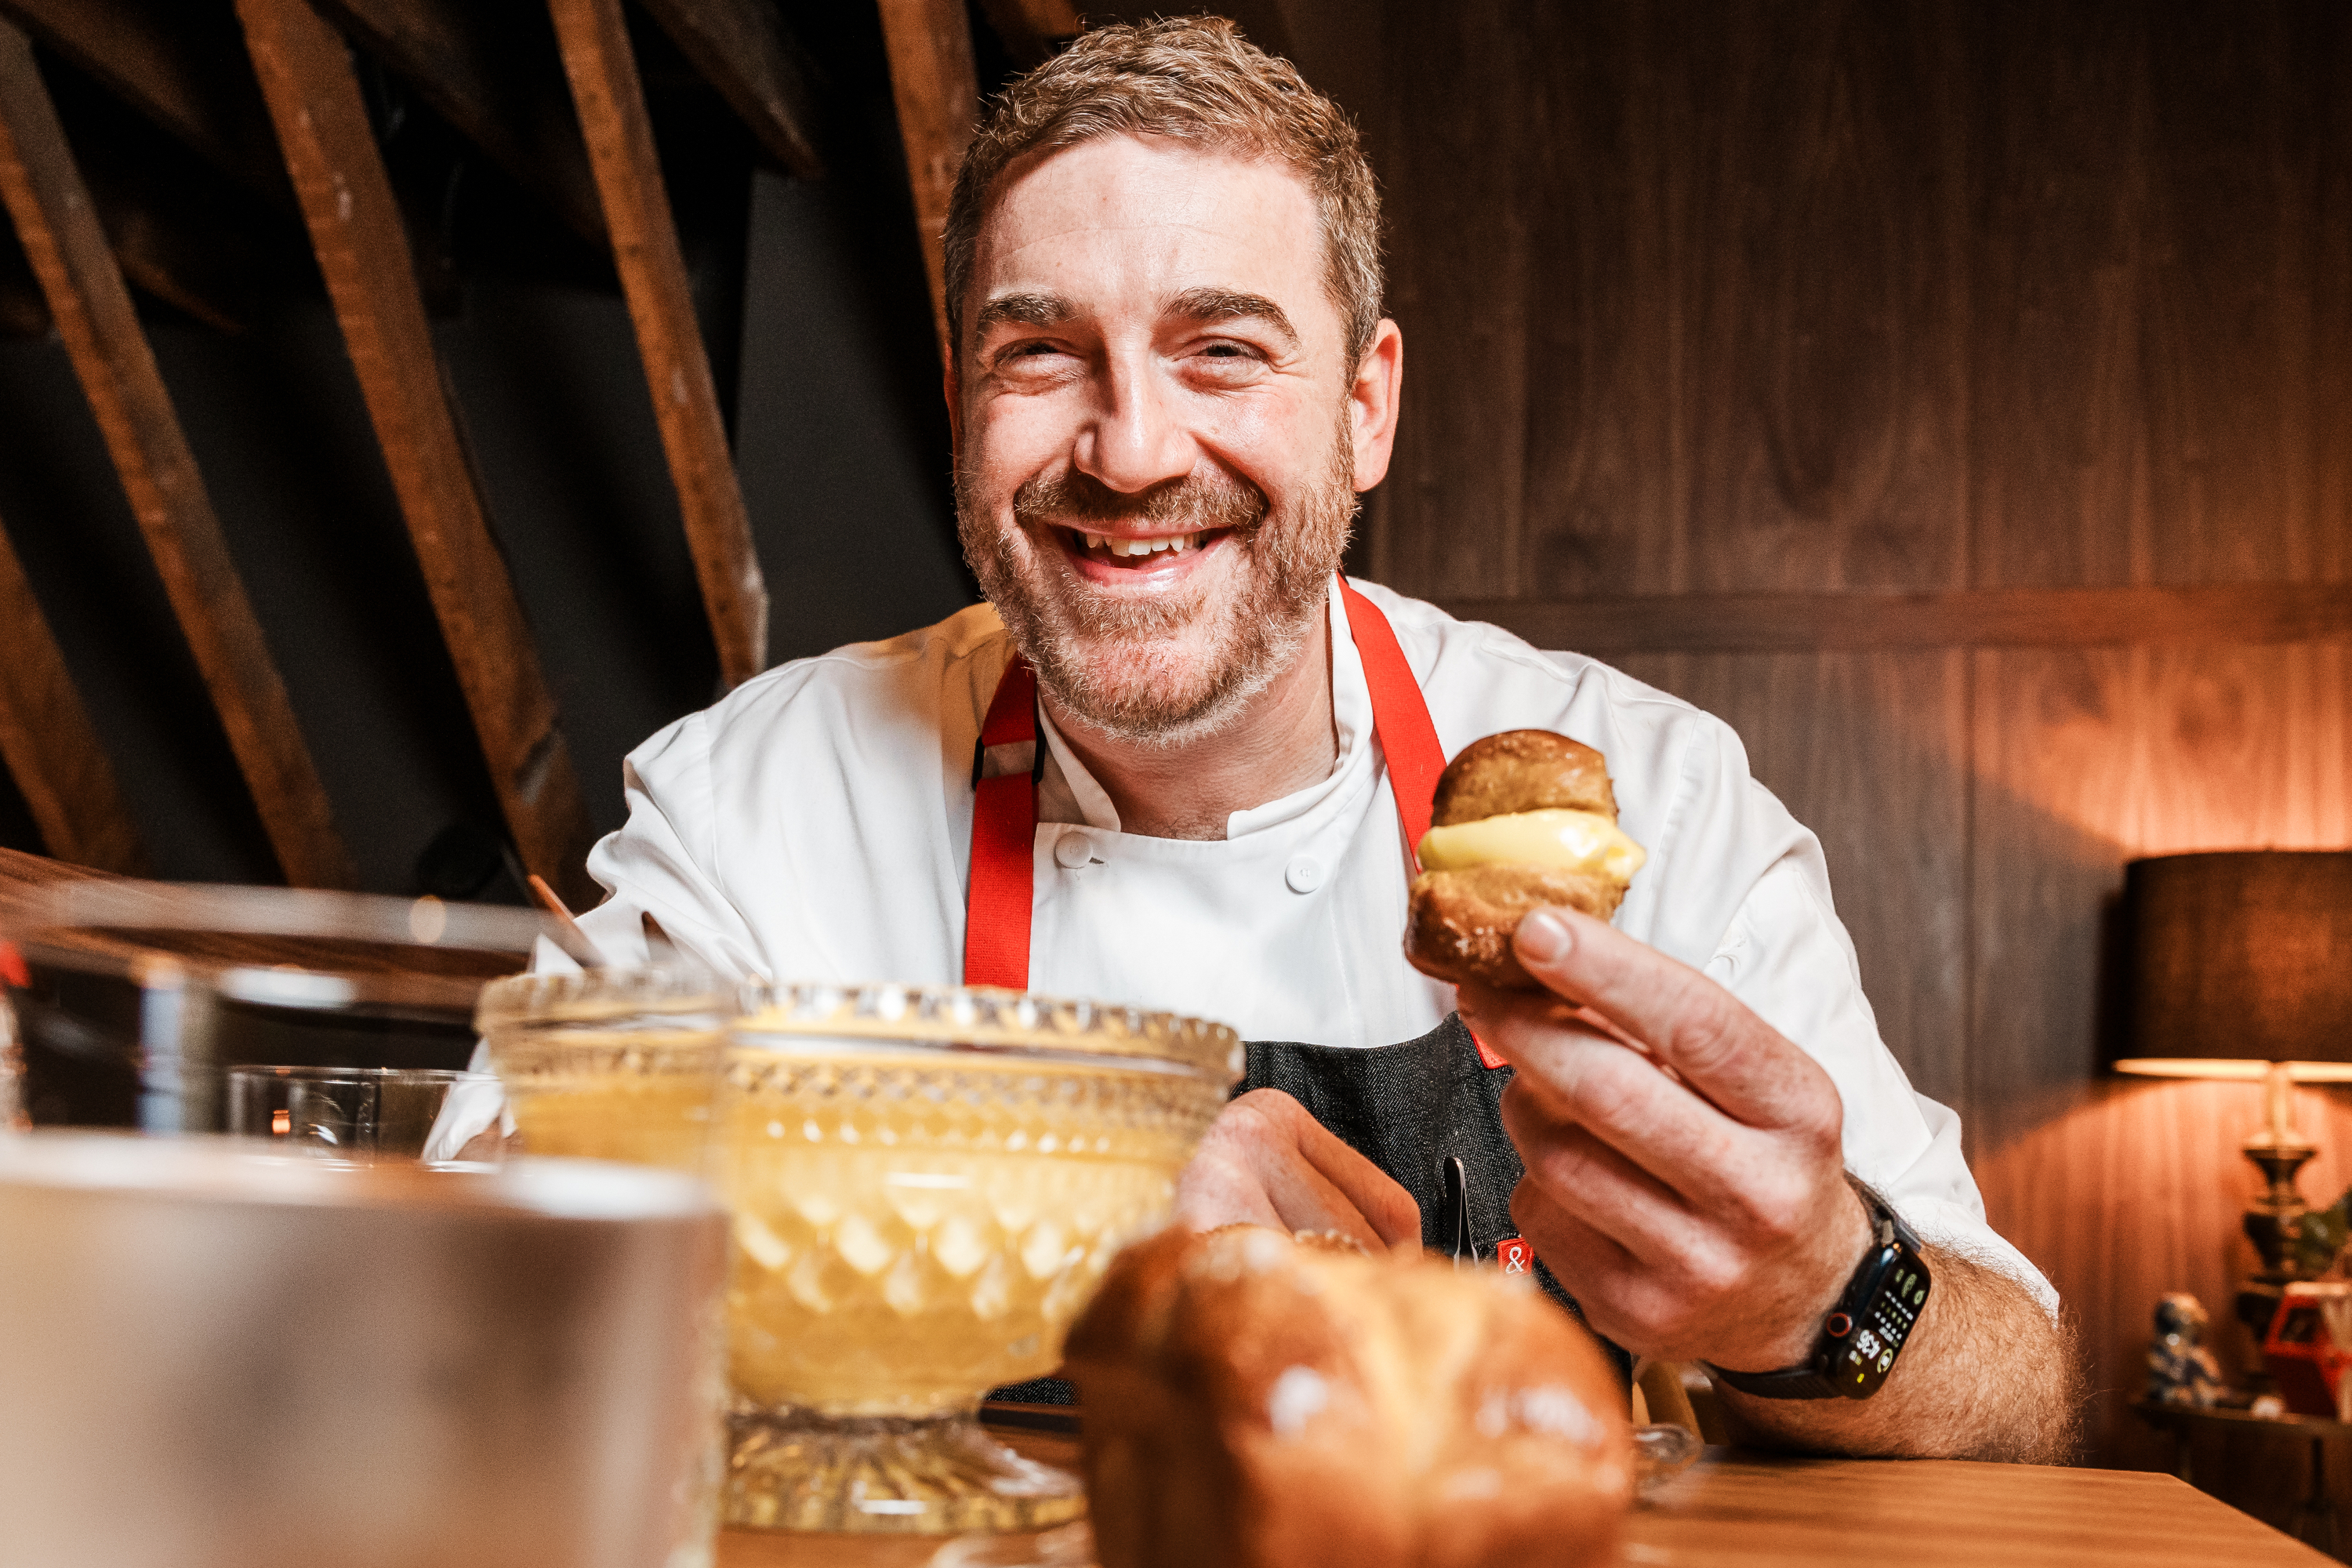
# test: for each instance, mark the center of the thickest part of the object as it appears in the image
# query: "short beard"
(1174, 672)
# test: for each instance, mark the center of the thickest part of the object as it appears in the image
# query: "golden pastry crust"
(1458, 924)
(1522, 770)
(1253, 1402)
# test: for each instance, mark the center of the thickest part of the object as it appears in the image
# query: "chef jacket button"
(1072, 850)
(1305, 873)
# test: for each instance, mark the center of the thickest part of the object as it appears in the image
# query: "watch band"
(1890, 1240)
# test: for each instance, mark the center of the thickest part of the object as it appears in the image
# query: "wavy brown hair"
(1193, 79)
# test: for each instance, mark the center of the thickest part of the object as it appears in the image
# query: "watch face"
(1864, 1342)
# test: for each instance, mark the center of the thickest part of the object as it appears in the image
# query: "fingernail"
(1544, 937)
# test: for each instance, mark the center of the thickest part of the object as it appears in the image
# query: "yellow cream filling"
(1570, 840)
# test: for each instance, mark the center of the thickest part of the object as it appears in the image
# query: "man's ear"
(1373, 403)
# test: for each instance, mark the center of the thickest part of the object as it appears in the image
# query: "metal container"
(216, 1359)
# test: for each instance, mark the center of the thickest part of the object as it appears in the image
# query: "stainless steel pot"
(216, 1359)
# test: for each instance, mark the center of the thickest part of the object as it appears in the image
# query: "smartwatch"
(1865, 1332)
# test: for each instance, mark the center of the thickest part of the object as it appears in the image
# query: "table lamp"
(2239, 965)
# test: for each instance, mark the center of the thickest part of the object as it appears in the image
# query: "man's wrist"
(1836, 1259)
(1872, 1319)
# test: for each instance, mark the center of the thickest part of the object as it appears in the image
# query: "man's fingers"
(1695, 1025)
(1570, 1077)
(1265, 1160)
(1583, 1175)
(1370, 1191)
(1591, 1267)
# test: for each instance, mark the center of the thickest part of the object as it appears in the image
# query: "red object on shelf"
(2303, 1354)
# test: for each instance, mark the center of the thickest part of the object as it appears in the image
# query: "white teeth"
(1175, 544)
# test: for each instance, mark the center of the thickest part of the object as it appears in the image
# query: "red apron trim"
(12, 967)
(1004, 842)
(1486, 1057)
(1401, 720)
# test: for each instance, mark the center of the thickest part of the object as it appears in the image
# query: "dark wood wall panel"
(2160, 391)
(1865, 748)
(1632, 358)
(1460, 459)
(1718, 333)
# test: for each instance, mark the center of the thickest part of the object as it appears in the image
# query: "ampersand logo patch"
(1514, 1255)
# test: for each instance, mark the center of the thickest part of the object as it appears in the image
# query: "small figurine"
(2181, 1370)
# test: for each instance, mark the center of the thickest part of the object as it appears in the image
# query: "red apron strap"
(1004, 835)
(1400, 717)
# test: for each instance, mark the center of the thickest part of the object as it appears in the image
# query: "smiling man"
(1156, 767)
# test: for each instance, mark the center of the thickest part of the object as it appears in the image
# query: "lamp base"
(2273, 1222)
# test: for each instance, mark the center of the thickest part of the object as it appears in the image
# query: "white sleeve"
(659, 864)
(1786, 956)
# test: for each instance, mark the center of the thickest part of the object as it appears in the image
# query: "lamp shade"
(2239, 957)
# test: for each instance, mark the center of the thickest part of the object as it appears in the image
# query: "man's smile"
(1133, 559)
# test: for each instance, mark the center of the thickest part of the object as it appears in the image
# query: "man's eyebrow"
(1023, 310)
(1207, 305)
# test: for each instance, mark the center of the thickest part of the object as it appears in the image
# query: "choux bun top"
(1522, 770)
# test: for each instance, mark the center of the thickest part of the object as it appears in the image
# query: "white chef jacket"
(816, 824)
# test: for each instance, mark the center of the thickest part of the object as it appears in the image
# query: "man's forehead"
(1117, 214)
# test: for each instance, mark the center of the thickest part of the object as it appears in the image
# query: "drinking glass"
(358, 1113)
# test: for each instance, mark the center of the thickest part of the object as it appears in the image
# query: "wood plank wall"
(1848, 296)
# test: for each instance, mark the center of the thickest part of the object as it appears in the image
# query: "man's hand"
(1701, 1215)
(1685, 1182)
(1266, 1162)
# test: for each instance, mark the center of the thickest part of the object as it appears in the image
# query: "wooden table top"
(1735, 1510)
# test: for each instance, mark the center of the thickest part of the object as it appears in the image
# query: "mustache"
(1194, 501)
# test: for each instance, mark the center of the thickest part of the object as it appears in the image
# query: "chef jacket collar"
(1068, 792)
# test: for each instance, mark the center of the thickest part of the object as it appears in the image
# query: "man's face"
(1158, 431)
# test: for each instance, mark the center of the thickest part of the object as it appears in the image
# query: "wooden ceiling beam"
(476, 65)
(938, 92)
(1033, 29)
(741, 49)
(71, 255)
(594, 39)
(177, 64)
(347, 200)
(49, 743)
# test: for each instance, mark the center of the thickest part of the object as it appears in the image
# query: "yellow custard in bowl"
(927, 1185)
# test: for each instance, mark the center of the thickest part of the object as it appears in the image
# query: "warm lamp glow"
(2221, 1067)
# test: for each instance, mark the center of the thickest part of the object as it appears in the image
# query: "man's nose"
(1134, 440)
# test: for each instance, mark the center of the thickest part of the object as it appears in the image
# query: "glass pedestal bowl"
(927, 1185)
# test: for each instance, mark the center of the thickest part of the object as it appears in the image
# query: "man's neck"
(1284, 740)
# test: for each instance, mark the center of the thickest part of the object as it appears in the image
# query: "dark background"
(812, 299)
(1824, 297)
